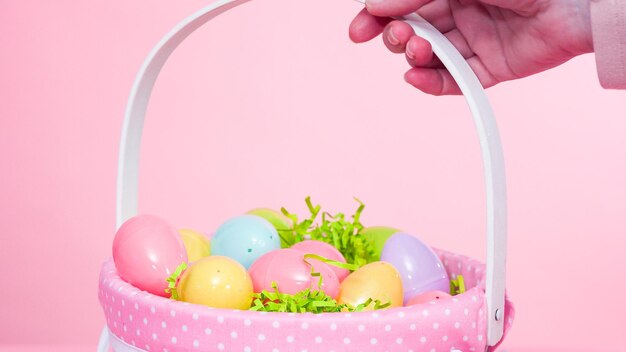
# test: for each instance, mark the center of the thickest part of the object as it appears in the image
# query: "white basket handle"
(493, 162)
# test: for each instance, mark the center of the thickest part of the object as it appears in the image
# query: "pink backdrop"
(271, 103)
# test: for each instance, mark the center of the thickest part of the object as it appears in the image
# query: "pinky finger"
(435, 81)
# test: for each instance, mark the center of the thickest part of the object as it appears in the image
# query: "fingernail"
(373, 4)
(409, 53)
(393, 40)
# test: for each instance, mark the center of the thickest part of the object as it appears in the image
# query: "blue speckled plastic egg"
(245, 238)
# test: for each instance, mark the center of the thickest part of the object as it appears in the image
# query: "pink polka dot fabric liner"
(153, 323)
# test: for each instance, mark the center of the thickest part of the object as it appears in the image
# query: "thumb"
(390, 8)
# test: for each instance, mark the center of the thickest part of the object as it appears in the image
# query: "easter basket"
(476, 320)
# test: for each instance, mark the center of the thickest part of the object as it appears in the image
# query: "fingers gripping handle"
(493, 162)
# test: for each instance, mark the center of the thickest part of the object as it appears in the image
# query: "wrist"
(572, 25)
(583, 17)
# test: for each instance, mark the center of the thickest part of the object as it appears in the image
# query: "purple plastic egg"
(420, 268)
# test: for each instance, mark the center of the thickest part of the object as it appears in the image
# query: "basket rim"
(134, 316)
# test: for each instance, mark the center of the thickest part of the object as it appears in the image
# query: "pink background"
(271, 103)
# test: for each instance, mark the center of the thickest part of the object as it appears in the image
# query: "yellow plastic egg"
(216, 281)
(197, 244)
(377, 280)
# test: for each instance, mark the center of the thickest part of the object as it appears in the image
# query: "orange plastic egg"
(378, 281)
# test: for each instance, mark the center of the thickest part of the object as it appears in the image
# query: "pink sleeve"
(608, 23)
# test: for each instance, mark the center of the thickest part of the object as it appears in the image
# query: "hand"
(500, 39)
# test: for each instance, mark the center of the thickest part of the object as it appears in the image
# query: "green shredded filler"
(306, 301)
(173, 280)
(342, 265)
(457, 286)
(335, 230)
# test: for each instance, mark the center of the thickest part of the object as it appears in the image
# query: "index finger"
(390, 8)
(366, 27)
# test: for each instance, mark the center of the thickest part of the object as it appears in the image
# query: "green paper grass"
(342, 265)
(327, 261)
(307, 301)
(173, 280)
(457, 286)
(335, 230)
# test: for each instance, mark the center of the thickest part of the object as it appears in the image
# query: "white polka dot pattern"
(158, 324)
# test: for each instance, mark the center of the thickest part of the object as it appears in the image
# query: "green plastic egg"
(377, 235)
(282, 224)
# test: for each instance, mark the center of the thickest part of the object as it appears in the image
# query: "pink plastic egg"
(428, 297)
(146, 251)
(288, 269)
(325, 250)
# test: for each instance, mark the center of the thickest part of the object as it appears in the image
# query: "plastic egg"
(282, 224)
(377, 235)
(325, 250)
(196, 244)
(146, 251)
(420, 268)
(216, 281)
(245, 238)
(378, 281)
(427, 297)
(289, 270)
